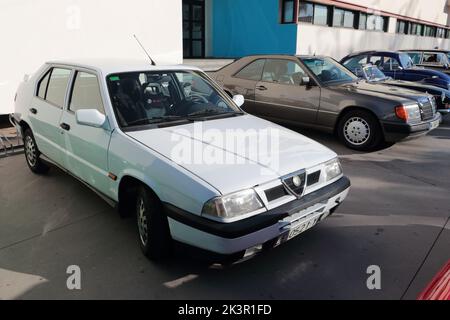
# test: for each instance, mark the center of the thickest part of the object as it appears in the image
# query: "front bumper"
(228, 238)
(396, 131)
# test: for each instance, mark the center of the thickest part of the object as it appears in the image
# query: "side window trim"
(48, 72)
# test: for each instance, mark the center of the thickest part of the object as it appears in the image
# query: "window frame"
(48, 70)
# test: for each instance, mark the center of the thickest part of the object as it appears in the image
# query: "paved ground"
(396, 217)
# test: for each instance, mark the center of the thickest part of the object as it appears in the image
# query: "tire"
(360, 130)
(153, 227)
(32, 154)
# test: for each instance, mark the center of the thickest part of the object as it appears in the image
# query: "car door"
(282, 93)
(46, 110)
(392, 66)
(86, 147)
(244, 83)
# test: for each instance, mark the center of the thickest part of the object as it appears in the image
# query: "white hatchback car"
(153, 140)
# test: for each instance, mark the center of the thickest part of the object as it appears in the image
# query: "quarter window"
(57, 86)
(253, 71)
(86, 93)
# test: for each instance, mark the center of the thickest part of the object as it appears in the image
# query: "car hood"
(383, 91)
(416, 86)
(235, 168)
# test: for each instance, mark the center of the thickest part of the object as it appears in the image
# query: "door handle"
(65, 126)
(262, 88)
(33, 110)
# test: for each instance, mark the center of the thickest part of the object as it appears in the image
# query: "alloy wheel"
(30, 151)
(142, 222)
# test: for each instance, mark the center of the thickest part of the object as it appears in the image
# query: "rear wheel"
(360, 130)
(153, 227)
(32, 154)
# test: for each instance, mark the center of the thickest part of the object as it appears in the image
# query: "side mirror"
(239, 100)
(90, 118)
(306, 81)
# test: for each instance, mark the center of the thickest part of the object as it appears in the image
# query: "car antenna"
(140, 44)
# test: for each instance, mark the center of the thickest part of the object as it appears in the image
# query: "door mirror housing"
(306, 81)
(90, 118)
(239, 100)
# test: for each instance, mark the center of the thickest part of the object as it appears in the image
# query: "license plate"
(434, 125)
(302, 227)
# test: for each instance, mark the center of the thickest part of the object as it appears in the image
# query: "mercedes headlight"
(233, 205)
(332, 169)
(410, 112)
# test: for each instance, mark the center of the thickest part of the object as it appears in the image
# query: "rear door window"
(57, 86)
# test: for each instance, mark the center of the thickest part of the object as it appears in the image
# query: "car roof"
(280, 56)
(109, 66)
(390, 52)
(424, 50)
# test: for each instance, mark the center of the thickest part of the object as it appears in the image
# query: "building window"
(362, 21)
(429, 31)
(305, 12)
(440, 33)
(415, 29)
(376, 23)
(402, 27)
(343, 18)
(320, 15)
(288, 11)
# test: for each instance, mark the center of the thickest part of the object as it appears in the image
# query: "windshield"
(140, 98)
(406, 61)
(372, 73)
(328, 71)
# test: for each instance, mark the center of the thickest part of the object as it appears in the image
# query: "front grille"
(313, 178)
(427, 109)
(275, 193)
(289, 182)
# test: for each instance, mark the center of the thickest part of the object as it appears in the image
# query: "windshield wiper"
(211, 112)
(154, 120)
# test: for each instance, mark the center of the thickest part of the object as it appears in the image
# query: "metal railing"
(7, 146)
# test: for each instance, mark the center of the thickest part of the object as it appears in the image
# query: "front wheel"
(360, 130)
(153, 227)
(32, 154)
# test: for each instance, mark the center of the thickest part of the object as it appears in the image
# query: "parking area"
(396, 217)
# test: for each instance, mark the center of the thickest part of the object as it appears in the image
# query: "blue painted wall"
(244, 27)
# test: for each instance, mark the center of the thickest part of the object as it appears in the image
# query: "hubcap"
(142, 222)
(356, 131)
(30, 151)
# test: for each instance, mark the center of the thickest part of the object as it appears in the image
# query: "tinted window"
(433, 58)
(283, 72)
(86, 93)
(57, 86)
(253, 71)
(42, 87)
(288, 11)
(305, 12)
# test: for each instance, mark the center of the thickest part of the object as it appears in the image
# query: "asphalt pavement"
(396, 217)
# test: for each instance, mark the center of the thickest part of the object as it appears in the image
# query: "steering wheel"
(198, 98)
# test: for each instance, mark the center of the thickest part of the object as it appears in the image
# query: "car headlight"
(410, 112)
(332, 169)
(233, 205)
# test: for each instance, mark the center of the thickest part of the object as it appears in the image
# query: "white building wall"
(338, 42)
(33, 32)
